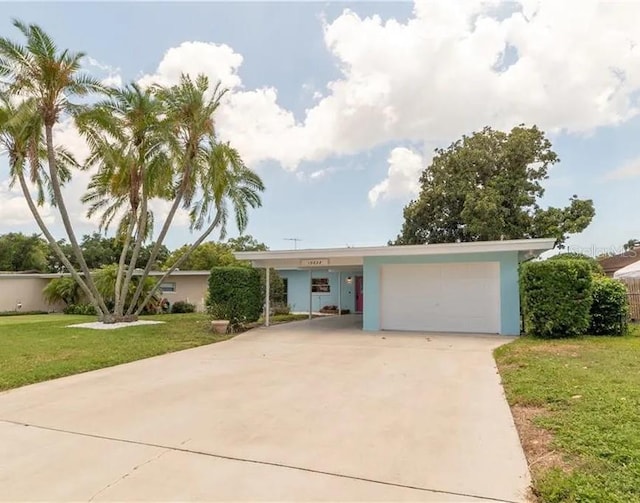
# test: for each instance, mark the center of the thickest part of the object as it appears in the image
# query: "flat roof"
(354, 255)
(51, 275)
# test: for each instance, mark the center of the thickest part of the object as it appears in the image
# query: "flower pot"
(220, 326)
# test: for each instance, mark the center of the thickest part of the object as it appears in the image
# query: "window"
(169, 287)
(320, 285)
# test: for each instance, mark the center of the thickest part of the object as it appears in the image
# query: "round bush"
(610, 307)
(181, 306)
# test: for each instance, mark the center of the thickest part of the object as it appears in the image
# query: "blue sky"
(339, 105)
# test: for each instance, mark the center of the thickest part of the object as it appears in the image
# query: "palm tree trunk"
(177, 263)
(54, 244)
(117, 311)
(140, 235)
(158, 243)
(64, 214)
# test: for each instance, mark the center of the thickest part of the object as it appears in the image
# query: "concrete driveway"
(306, 411)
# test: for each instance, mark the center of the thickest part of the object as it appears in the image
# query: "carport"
(451, 287)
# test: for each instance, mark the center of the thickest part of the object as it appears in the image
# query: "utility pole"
(295, 242)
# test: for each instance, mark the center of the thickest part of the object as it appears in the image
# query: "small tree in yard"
(556, 297)
(235, 294)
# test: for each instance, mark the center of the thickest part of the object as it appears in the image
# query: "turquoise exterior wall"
(298, 287)
(509, 290)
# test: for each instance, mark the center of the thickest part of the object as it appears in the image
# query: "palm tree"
(189, 108)
(21, 139)
(128, 149)
(226, 182)
(40, 72)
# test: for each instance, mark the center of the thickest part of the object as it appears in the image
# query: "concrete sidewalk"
(305, 411)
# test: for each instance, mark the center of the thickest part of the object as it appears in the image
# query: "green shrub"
(235, 294)
(183, 307)
(556, 297)
(595, 266)
(63, 289)
(610, 307)
(280, 308)
(86, 309)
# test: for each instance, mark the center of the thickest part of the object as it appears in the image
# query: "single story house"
(23, 291)
(614, 263)
(454, 287)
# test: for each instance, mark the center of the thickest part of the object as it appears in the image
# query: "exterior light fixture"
(349, 280)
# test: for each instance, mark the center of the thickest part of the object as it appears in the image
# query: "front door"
(359, 296)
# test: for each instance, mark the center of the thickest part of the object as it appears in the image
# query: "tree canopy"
(19, 252)
(487, 186)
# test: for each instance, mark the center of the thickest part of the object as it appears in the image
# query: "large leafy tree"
(19, 252)
(204, 257)
(487, 186)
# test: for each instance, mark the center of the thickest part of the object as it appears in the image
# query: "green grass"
(36, 348)
(285, 318)
(586, 393)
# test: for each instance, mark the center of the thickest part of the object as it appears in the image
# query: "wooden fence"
(633, 293)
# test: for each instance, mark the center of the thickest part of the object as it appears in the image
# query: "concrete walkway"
(313, 410)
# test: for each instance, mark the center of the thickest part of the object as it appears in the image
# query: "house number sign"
(314, 262)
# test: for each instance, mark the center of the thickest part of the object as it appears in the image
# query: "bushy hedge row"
(556, 297)
(568, 297)
(235, 294)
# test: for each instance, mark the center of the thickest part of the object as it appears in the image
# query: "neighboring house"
(616, 262)
(458, 287)
(23, 291)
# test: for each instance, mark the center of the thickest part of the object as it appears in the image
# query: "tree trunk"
(54, 244)
(117, 311)
(184, 257)
(141, 229)
(57, 191)
(158, 243)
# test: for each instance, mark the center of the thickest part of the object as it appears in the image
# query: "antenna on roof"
(295, 242)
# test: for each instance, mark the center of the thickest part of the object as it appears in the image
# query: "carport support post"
(310, 292)
(339, 293)
(267, 310)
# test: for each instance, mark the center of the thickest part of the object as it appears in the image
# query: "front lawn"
(576, 403)
(36, 348)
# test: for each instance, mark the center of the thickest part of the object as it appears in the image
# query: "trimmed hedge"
(595, 266)
(182, 306)
(85, 309)
(610, 308)
(556, 297)
(235, 294)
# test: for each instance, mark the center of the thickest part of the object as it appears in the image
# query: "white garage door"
(462, 297)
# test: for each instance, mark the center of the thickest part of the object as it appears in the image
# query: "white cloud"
(14, 211)
(451, 68)
(630, 169)
(405, 166)
(216, 61)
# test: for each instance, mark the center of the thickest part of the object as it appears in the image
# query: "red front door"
(359, 295)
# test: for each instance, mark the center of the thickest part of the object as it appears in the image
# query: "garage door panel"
(462, 297)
